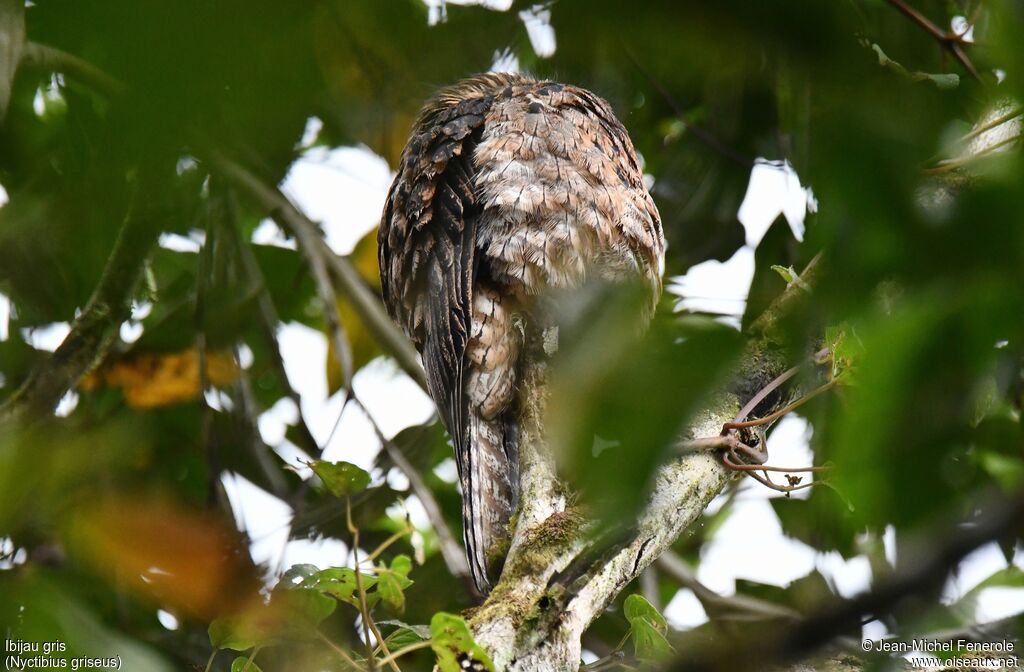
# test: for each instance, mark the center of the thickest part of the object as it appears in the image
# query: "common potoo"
(508, 187)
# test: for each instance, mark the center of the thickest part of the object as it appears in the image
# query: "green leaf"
(298, 575)
(293, 613)
(340, 583)
(454, 646)
(236, 633)
(636, 607)
(308, 606)
(941, 80)
(341, 478)
(406, 634)
(243, 664)
(647, 628)
(606, 427)
(1008, 471)
(648, 642)
(401, 565)
(392, 582)
(788, 273)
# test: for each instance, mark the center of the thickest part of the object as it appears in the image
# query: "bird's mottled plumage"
(507, 188)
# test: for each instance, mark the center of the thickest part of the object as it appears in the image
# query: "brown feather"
(507, 188)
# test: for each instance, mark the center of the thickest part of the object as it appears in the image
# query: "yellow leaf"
(150, 380)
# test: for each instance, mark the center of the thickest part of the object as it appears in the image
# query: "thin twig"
(742, 466)
(251, 658)
(989, 125)
(384, 545)
(309, 237)
(209, 661)
(390, 658)
(730, 443)
(949, 41)
(950, 165)
(614, 660)
(310, 243)
(340, 651)
(451, 551)
(364, 606)
(782, 411)
(752, 469)
(203, 279)
(749, 407)
(260, 452)
(45, 57)
(268, 322)
(735, 607)
(705, 443)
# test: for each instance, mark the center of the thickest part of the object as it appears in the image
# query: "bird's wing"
(427, 248)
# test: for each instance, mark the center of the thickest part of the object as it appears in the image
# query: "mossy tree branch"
(554, 584)
(93, 331)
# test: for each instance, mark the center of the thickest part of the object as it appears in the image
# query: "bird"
(508, 189)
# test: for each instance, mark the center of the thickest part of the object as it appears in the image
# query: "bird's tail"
(490, 493)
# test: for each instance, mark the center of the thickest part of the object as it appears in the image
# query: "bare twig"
(731, 443)
(949, 41)
(268, 328)
(752, 469)
(215, 491)
(749, 407)
(384, 545)
(340, 651)
(736, 607)
(364, 608)
(949, 165)
(364, 604)
(390, 658)
(451, 551)
(999, 120)
(789, 408)
(720, 442)
(323, 261)
(260, 452)
(311, 244)
(251, 658)
(44, 57)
